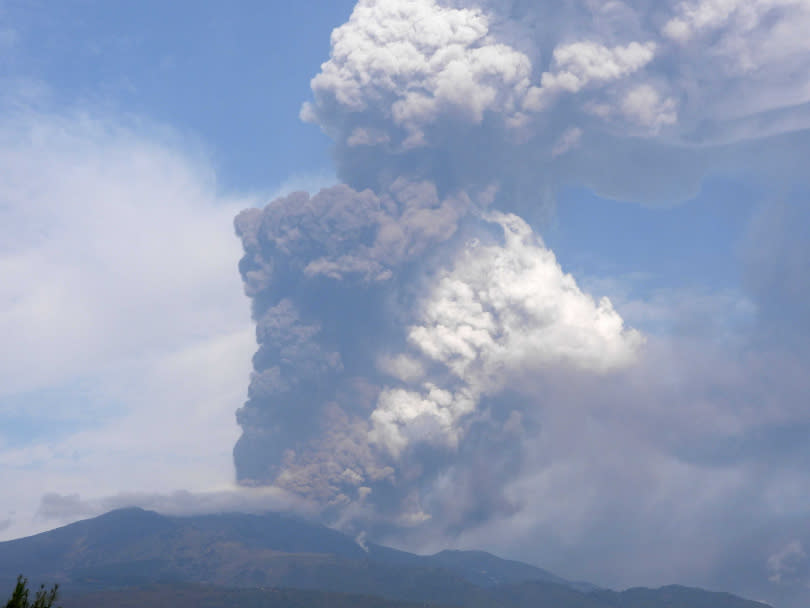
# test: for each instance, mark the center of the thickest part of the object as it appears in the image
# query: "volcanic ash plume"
(388, 327)
(427, 372)
(406, 321)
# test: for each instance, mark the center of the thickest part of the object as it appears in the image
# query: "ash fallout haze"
(522, 276)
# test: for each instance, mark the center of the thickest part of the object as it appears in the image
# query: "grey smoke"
(320, 271)
(388, 327)
(64, 507)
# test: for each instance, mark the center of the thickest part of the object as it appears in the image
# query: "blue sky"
(217, 72)
(655, 153)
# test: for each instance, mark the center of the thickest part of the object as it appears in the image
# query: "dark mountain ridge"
(137, 549)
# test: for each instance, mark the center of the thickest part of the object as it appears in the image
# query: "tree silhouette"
(44, 598)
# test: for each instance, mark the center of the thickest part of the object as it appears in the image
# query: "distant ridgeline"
(133, 557)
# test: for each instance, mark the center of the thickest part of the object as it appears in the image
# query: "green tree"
(44, 598)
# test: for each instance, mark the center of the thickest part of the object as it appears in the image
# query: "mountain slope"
(534, 595)
(204, 596)
(133, 546)
(136, 548)
(487, 570)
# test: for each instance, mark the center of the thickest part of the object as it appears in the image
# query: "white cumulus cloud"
(501, 311)
(414, 62)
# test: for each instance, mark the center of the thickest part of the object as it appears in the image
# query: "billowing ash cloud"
(321, 273)
(389, 327)
(342, 234)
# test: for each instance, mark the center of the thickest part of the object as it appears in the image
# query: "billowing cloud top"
(533, 81)
(417, 64)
